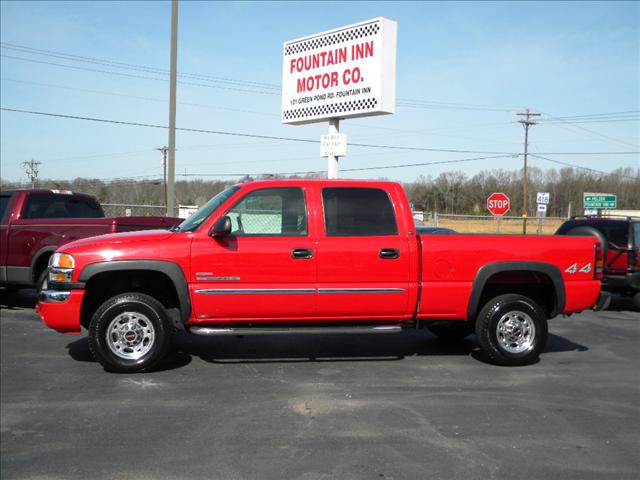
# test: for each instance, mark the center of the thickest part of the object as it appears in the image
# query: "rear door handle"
(389, 253)
(302, 253)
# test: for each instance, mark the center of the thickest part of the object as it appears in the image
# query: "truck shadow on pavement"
(316, 348)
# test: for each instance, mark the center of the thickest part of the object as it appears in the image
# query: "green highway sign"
(599, 200)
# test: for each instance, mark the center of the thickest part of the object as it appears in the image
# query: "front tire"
(130, 333)
(512, 330)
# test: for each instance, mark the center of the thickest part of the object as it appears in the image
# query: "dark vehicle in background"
(620, 240)
(435, 231)
(33, 223)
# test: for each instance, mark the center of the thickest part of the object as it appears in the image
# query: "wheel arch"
(548, 273)
(38, 263)
(168, 269)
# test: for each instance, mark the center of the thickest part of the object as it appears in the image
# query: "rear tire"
(130, 333)
(511, 330)
(453, 330)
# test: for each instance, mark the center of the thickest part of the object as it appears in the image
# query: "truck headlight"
(61, 267)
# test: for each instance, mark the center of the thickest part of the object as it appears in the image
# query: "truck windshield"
(205, 211)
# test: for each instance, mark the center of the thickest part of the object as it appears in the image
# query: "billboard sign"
(347, 72)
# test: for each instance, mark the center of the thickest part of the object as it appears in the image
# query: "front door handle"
(302, 253)
(389, 253)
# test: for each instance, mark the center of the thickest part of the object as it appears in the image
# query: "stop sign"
(498, 203)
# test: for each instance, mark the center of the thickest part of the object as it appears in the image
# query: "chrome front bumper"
(53, 296)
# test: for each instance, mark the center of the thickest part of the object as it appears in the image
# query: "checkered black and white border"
(324, 110)
(338, 37)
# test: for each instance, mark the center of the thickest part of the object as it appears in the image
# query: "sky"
(463, 71)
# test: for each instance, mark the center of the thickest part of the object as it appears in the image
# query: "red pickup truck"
(33, 223)
(302, 256)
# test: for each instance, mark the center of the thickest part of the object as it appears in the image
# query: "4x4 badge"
(586, 268)
(574, 268)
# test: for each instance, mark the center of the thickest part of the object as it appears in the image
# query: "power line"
(275, 88)
(139, 97)
(592, 132)
(239, 134)
(130, 75)
(600, 172)
(381, 167)
(443, 106)
(612, 120)
(599, 115)
(429, 132)
(292, 139)
(131, 66)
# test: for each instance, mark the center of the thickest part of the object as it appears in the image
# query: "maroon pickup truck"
(34, 223)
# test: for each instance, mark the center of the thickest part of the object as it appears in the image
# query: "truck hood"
(145, 245)
(115, 240)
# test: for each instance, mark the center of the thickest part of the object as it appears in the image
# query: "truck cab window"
(83, 208)
(358, 212)
(45, 206)
(60, 206)
(271, 211)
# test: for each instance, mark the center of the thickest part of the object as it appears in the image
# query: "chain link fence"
(489, 224)
(256, 221)
(124, 210)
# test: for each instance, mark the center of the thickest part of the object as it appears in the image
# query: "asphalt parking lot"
(401, 406)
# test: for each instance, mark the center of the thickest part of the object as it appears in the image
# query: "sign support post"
(332, 160)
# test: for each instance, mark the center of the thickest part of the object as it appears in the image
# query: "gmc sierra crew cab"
(33, 223)
(301, 256)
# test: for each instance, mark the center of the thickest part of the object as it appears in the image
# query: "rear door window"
(636, 234)
(354, 212)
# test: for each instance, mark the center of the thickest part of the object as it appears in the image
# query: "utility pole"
(164, 151)
(172, 111)
(526, 122)
(31, 169)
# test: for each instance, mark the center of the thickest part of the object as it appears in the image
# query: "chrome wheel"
(130, 335)
(516, 332)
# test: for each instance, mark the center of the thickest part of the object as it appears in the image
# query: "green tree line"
(449, 192)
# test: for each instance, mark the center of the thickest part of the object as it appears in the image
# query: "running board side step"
(213, 331)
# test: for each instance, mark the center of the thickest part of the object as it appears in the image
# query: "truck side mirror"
(222, 227)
